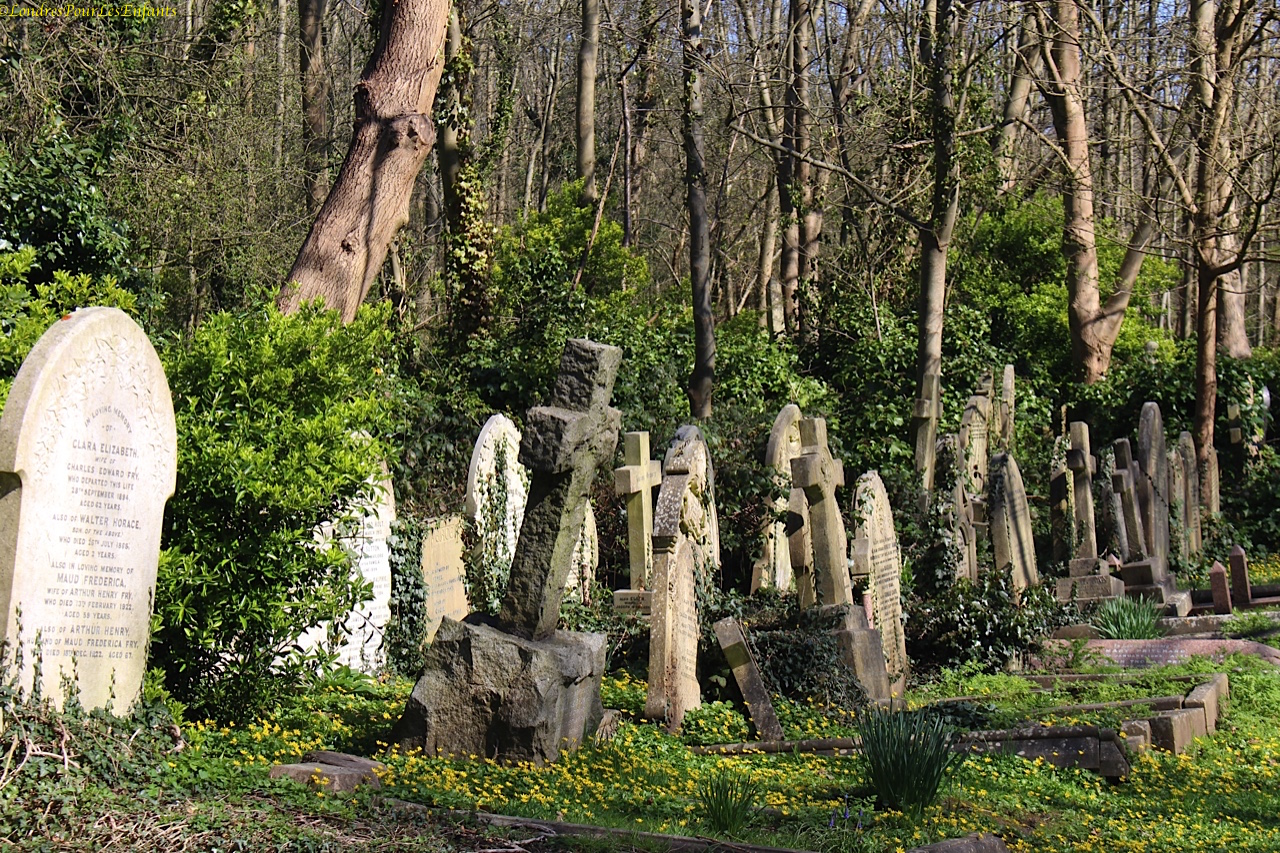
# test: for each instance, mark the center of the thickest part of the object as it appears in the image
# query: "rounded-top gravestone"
(88, 455)
(497, 490)
(880, 562)
(773, 569)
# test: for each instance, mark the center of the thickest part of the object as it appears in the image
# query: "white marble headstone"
(497, 490)
(88, 455)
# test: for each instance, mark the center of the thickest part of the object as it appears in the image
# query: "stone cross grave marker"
(1010, 521)
(686, 547)
(738, 654)
(497, 489)
(815, 471)
(563, 445)
(443, 571)
(88, 458)
(1153, 485)
(878, 562)
(774, 568)
(636, 480)
(1191, 491)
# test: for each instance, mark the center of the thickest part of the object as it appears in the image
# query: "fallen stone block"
(333, 771)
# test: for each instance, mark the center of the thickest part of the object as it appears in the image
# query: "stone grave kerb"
(90, 403)
(819, 474)
(564, 444)
(636, 481)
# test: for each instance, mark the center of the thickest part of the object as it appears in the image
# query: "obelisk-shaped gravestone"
(563, 445)
(88, 458)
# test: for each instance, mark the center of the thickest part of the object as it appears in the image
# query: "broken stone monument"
(686, 548)
(515, 688)
(88, 458)
(1009, 518)
(754, 692)
(497, 488)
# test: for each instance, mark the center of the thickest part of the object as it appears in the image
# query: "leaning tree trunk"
(392, 137)
(704, 337)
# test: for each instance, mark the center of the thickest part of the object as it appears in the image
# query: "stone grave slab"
(443, 573)
(773, 569)
(686, 548)
(497, 491)
(563, 445)
(878, 563)
(1010, 521)
(754, 692)
(88, 458)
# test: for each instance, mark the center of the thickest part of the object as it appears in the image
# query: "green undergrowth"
(147, 782)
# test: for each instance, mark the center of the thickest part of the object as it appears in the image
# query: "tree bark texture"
(588, 48)
(704, 360)
(315, 98)
(392, 137)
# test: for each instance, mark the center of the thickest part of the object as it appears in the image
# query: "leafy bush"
(1128, 619)
(906, 754)
(279, 423)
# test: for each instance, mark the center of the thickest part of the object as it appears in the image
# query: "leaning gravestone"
(685, 549)
(497, 488)
(1153, 484)
(754, 692)
(88, 458)
(1010, 521)
(520, 690)
(443, 573)
(774, 569)
(878, 562)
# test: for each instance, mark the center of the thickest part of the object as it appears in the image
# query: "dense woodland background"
(762, 201)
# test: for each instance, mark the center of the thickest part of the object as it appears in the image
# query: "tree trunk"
(315, 98)
(587, 50)
(704, 360)
(1024, 69)
(392, 137)
(449, 138)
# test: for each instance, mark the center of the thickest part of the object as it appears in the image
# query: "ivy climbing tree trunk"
(392, 137)
(704, 336)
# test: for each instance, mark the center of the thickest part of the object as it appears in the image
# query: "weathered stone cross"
(815, 471)
(563, 445)
(635, 480)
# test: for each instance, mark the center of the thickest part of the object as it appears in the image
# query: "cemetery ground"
(93, 781)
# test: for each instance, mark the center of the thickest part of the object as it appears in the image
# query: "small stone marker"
(497, 490)
(1241, 589)
(1191, 493)
(88, 458)
(636, 480)
(563, 445)
(774, 569)
(685, 547)
(443, 570)
(736, 651)
(815, 471)
(1010, 520)
(1221, 591)
(878, 561)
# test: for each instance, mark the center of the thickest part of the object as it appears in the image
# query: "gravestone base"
(862, 651)
(488, 693)
(1089, 589)
(1082, 567)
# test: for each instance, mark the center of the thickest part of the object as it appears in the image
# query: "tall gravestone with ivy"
(515, 687)
(88, 458)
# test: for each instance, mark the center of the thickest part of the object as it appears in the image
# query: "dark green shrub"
(279, 422)
(906, 754)
(1128, 619)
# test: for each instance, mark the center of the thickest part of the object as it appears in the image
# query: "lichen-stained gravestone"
(1009, 518)
(820, 475)
(975, 440)
(443, 570)
(1153, 485)
(953, 504)
(686, 549)
(1191, 492)
(563, 445)
(774, 568)
(497, 488)
(88, 455)
(1005, 412)
(878, 562)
